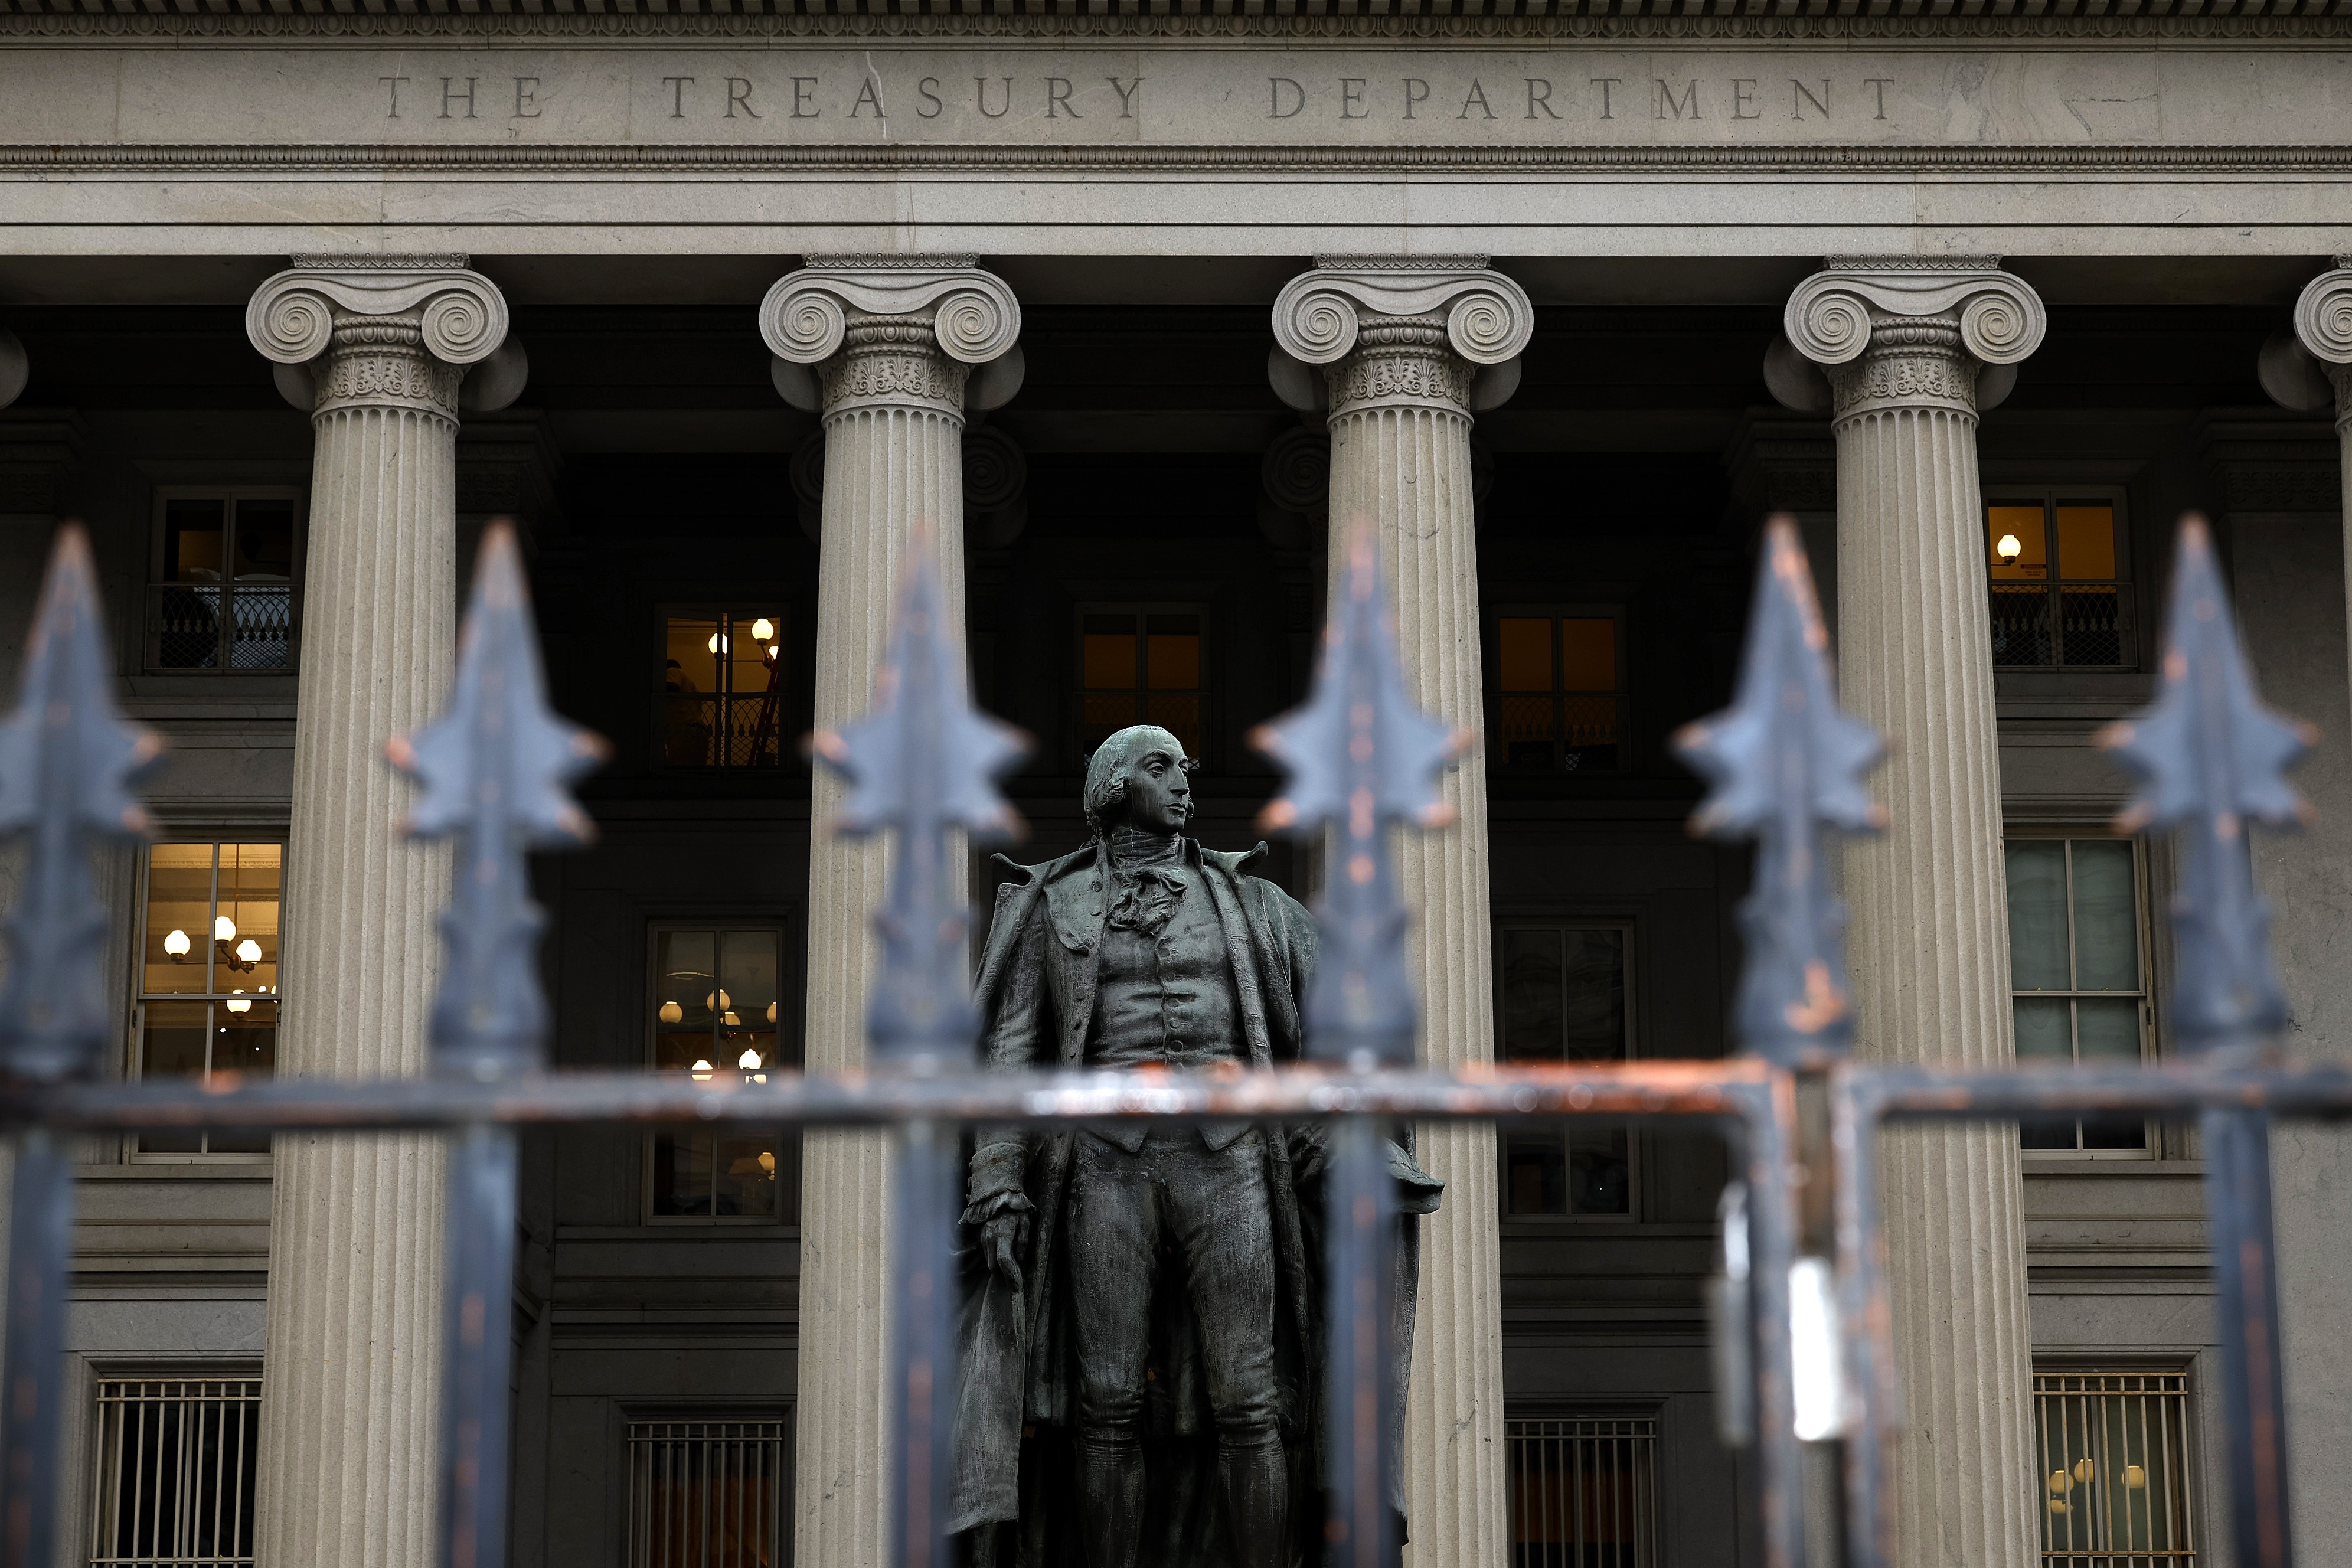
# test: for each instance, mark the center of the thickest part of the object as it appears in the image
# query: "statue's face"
(1159, 792)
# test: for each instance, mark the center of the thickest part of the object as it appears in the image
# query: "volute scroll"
(460, 314)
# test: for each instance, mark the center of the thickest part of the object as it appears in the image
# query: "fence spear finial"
(1786, 763)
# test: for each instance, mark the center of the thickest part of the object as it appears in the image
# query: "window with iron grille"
(2061, 591)
(721, 703)
(1142, 664)
(225, 592)
(174, 1472)
(208, 996)
(2114, 1452)
(717, 1014)
(706, 1493)
(2078, 974)
(1564, 996)
(1584, 1490)
(1557, 701)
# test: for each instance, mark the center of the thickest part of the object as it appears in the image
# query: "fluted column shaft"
(350, 1415)
(1929, 943)
(892, 352)
(1399, 388)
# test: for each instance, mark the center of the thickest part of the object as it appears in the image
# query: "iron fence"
(1804, 1335)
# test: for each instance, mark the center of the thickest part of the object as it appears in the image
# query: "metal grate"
(175, 1467)
(1584, 1491)
(2114, 1451)
(706, 1494)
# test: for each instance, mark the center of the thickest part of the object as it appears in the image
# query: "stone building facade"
(1126, 305)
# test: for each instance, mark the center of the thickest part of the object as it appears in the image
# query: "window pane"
(2107, 919)
(1588, 655)
(2107, 1033)
(1172, 653)
(262, 605)
(691, 649)
(1109, 646)
(172, 1044)
(1536, 1173)
(2091, 626)
(746, 1170)
(682, 1173)
(685, 969)
(1593, 1015)
(247, 1043)
(2043, 1026)
(2087, 540)
(244, 926)
(193, 532)
(1592, 731)
(2020, 626)
(1598, 1171)
(1532, 974)
(747, 973)
(1523, 653)
(1104, 713)
(2037, 914)
(2018, 545)
(179, 919)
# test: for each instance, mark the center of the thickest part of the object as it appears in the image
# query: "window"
(1584, 1491)
(2060, 593)
(1140, 665)
(1564, 998)
(208, 975)
(2080, 992)
(722, 690)
(2114, 1452)
(223, 590)
(706, 1494)
(1558, 697)
(175, 1470)
(716, 1004)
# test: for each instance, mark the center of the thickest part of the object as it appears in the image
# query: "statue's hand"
(1002, 1239)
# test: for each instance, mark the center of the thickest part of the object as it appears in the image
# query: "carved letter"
(739, 91)
(982, 83)
(1274, 86)
(1351, 97)
(393, 111)
(1669, 108)
(929, 88)
(803, 90)
(1127, 92)
(1478, 97)
(1743, 99)
(1057, 99)
(1882, 83)
(676, 85)
(869, 91)
(1799, 98)
(450, 95)
(1540, 99)
(1410, 97)
(526, 98)
(1605, 83)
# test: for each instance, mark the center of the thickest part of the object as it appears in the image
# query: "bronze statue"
(1143, 1334)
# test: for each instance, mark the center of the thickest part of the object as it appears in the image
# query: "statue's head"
(1140, 776)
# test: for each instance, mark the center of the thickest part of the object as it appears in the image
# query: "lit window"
(706, 1494)
(723, 689)
(2111, 1450)
(2077, 971)
(717, 1014)
(1140, 667)
(1564, 998)
(1558, 694)
(176, 1461)
(1584, 1490)
(2058, 593)
(208, 975)
(224, 596)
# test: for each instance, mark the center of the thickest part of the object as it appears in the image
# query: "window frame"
(1652, 1411)
(1498, 763)
(1142, 609)
(791, 1042)
(786, 743)
(2199, 1508)
(150, 630)
(1538, 920)
(79, 1534)
(134, 1066)
(2144, 930)
(634, 1414)
(2126, 581)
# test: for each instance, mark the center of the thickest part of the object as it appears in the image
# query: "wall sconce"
(2007, 548)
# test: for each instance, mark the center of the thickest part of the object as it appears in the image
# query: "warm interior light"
(223, 930)
(748, 1060)
(701, 1072)
(2134, 1478)
(718, 643)
(236, 1006)
(250, 951)
(2083, 1471)
(763, 629)
(768, 1162)
(2008, 549)
(176, 944)
(2060, 1483)
(772, 1012)
(731, 1021)
(720, 1001)
(672, 1013)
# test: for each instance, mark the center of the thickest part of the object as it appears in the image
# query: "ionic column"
(1904, 345)
(892, 343)
(1407, 349)
(350, 1419)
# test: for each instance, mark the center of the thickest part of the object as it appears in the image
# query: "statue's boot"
(1110, 1501)
(1257, 1498)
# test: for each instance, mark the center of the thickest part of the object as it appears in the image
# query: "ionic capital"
(1908, 334)
(397, 332)
(1405, 331)
(2323, 315)
(894, 329)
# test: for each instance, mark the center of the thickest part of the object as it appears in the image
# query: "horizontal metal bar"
(1735, 1089)
(1922, 1093)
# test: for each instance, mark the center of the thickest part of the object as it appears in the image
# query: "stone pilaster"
(1903, 343)
(351, 1417)
(1407, 351)
(894, 342)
